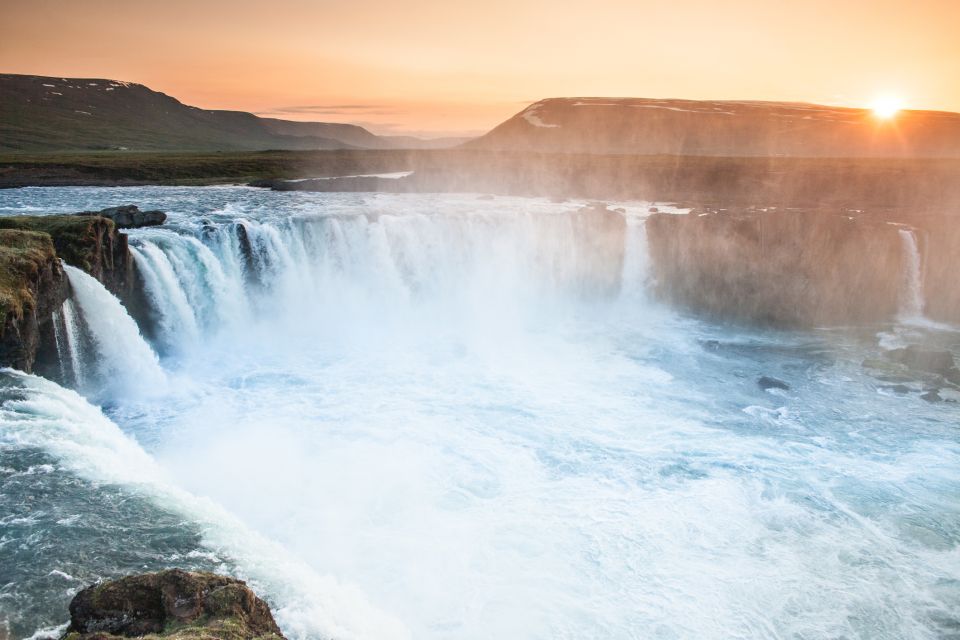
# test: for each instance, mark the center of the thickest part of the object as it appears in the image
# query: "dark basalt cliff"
(33, 284)
(171, 604)
(32, 287)
(800, 268)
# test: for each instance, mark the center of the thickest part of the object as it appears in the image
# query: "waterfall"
(123, 359)
(297, 274)
(911, 297)
(63, 351)
(636, 263)
(68, 337)
(290, 277)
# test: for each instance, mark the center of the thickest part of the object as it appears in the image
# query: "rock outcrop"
(32, 287)
(91, 243)
(940, 363)
(129, 216)
(33, 284)
(171, 604)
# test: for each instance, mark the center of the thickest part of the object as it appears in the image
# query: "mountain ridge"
(45, 113)
(650, 126)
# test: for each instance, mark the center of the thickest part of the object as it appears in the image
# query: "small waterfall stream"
(911, 300)
(69, 343)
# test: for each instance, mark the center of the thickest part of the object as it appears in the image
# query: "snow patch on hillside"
(530, 115)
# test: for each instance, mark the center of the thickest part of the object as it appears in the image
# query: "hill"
(722, 128)
(39, 113)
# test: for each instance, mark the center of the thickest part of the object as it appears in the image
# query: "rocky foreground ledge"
(173, 604)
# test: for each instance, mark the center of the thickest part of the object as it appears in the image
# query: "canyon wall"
(804, 268)
(33, 285)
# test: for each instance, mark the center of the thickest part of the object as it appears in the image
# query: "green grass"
(186, 168)
(74, 238)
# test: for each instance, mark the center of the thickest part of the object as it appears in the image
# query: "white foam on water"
(63, 424)
(471, 412)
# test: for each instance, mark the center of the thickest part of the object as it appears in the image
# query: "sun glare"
(886, 107)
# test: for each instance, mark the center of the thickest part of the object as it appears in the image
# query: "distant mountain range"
(39, 113)
(722, 128)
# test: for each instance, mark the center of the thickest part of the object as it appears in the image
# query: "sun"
(886, 107)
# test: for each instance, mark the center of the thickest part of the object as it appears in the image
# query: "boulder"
(769, 382)
(172, 604)
(129, 216)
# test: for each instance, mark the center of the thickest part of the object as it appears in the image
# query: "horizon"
(882, 108)
(390, 70)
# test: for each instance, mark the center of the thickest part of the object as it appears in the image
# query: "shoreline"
(931, 185)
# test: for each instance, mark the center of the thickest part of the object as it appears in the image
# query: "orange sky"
(440, 67)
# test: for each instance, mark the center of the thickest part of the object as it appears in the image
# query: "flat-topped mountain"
(722, 128)
(39, 113)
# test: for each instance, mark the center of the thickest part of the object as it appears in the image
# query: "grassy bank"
(924, 184)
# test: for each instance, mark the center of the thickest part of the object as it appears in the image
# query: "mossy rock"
(78, 239)
(23, 255)
(171, 604)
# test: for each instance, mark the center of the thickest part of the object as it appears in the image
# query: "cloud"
(333, 110)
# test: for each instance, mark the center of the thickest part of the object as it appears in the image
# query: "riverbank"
(920, 185)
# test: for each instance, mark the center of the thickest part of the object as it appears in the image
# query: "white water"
(436, 417)
(67, 333)
(62, 423)
(124, 361)
(912, 298)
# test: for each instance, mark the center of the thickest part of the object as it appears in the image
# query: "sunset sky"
(440, 67)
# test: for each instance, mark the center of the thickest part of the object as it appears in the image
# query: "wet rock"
(129, 216)
(246, 250)
(932, 396)
(919, 359)
(91, 243)
(901, 389)
(768, 382)
(177, 604)
(32, 286)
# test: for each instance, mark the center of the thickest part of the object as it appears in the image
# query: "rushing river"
(417, 416)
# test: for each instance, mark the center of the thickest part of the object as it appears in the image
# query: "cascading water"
(437, 416)
(911, 306)
(125, 363)
(69, 343)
